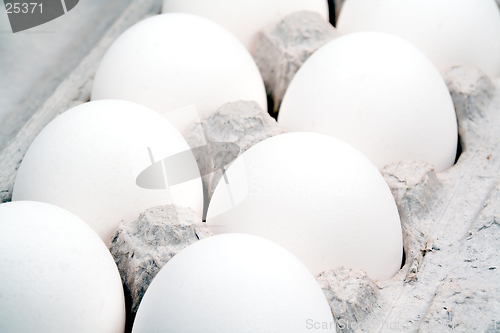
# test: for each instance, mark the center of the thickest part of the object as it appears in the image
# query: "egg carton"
(450, 278)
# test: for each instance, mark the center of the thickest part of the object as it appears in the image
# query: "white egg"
(170, 61)
(245, 18)
(56, 275)
(378, 93)
(233, 283)
(88, 159)
(317, 197)
(449, 32)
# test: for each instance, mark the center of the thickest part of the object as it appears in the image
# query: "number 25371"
(16, 8)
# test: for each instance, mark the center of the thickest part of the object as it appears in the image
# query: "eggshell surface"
(87, 160)
(378, 93)
(171, 61)
(233, 283)
(316, 196)
(245, 18)
(449, 32)
(56, 275)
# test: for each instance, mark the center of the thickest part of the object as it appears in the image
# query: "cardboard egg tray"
(450, 280)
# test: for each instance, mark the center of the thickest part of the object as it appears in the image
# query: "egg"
(378, 93)
(316, 196)
(233, 283)
(449, 32)
(245, 18)
(56, 275)
(90, 159)
(171, 61)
